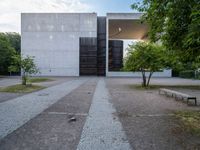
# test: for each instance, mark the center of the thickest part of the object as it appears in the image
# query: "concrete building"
(74, 44)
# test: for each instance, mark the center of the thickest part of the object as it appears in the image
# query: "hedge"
(187, 74)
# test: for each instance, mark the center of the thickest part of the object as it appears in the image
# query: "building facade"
(74, 44)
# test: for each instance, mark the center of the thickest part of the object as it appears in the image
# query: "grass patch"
(189, 121)
(36, 80)
(21, 88)
(139, 87)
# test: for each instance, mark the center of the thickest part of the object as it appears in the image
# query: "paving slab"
(102, 130)
(51, 129)
(18, 111)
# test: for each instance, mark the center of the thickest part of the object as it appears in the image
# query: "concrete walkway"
(102, 130)
(20, 110)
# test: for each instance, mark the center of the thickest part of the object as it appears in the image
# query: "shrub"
(187, 74)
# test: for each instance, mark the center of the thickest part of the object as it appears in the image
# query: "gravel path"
(102, 130)
(119, 119)
(17, 112)
(51, 129)
(4, 96)
(147, 117)
(9, 81)
(156, 81)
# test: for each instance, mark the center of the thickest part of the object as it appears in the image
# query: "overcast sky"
(10, 10)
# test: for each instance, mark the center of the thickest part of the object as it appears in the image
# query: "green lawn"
(189, 121)
(21, 88)
(36, 80)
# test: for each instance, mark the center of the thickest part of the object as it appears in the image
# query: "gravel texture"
(102, 130)
(52, 129)
(157, 81)
(8, 81)
(120, 117)
(147, 117)
(4, 96)
(18, 111)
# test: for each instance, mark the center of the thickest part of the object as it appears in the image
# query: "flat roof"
(128, 16)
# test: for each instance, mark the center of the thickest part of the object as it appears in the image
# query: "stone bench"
(177, 95)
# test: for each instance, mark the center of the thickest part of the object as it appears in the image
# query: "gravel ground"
(102, 130)
(51, 129)
(5, 96)
(147, 117)
(56, 80)
(7, 81)
(18, 111)
(158, 81)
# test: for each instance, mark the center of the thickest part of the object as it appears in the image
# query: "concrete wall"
(128, 16)
(164, 73)
(53, 38)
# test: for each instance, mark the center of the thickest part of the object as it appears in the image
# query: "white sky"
(10, 10)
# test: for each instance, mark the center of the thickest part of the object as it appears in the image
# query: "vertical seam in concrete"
(107, 45)
(102, 130)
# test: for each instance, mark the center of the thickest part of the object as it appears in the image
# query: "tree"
(26, 65)
(14, 40)
(192, 40)
(6, 53)
(176, 23)
(145, 57)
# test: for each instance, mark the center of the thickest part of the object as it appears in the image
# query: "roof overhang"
(126, 26)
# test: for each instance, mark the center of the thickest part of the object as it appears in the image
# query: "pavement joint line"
(18, 111)
(64, 113)
(151, 115)
(102, 130)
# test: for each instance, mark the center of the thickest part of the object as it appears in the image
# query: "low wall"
(164, 73)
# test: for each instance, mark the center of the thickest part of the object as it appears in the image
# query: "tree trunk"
(149, 78)
(24, 78)
(144, 78)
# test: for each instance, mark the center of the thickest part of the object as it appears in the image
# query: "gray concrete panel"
(38, 22)
(68, 22)
(53, 38)
(88, 22)
(50, 22)
(88, 34)
(50, 40)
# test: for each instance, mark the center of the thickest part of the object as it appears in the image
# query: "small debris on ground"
(43, 94)
(72, 119)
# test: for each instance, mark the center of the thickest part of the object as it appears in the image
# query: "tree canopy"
(9, 47)
(14, 40)
(145, 57)
(6, 53)
(26, 64)
(176, 23)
